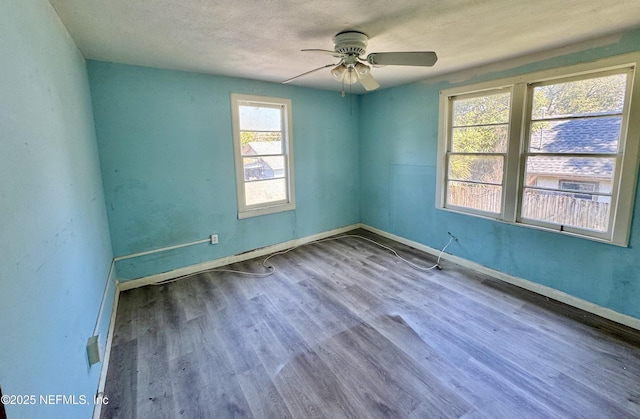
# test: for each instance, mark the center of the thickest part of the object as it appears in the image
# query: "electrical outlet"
(214, 239)
(94, 351)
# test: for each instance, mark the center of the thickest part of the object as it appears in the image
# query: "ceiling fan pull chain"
(350, 101)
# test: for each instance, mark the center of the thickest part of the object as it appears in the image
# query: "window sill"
(256, 212)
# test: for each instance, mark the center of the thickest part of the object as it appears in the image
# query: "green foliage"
(602, 95)
(258, 136)
(246, 137)
(479, 126)
(481, 110)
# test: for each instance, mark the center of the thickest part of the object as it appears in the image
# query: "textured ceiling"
(262, 39)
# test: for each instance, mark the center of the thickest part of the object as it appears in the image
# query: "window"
(476, 161)
(263, 154)
(553, 150)
(569, 185)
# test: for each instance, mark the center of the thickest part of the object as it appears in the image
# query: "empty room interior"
(362, 209)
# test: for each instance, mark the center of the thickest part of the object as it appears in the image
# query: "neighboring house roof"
(585, 135)
(262, 147)
(266, 147)
(276, 163)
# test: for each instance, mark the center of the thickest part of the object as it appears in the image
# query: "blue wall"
(166, 151)
(54, 239)
(398, 178)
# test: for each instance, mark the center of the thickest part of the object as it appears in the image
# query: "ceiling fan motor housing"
(351, 43)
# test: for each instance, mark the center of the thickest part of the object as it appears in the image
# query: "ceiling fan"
(350, 47)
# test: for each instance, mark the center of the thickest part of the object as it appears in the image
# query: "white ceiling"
(262, 39)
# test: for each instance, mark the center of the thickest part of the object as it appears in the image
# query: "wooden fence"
(554, 208)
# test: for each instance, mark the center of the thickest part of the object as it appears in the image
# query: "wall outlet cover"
(94, 354)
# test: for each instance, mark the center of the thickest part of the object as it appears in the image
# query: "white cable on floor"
(272, 269)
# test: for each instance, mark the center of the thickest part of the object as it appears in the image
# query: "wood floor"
(344, 329)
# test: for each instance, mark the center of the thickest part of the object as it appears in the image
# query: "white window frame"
(625, 178)
(470, 95)
(288, 204)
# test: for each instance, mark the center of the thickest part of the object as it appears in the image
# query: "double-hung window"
(263, 149)
(555, 150)
(478, 150)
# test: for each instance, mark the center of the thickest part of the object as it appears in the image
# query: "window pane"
(265, 191)
(567, 209)
(476, 168)
(483, 139)
(482, 110)
(600, 95)
(547, 172)
(577, 186)
(471, 195)
(254, 118)
(261, 143)
(583, 135)
(263, 167)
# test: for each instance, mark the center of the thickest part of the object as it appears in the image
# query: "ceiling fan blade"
(423, 58)
(325, 51)
(367, 81)
(309, 72)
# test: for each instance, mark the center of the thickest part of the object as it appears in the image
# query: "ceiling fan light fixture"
(362, 70)
(350, 77)
(344, 74)
(338, 71)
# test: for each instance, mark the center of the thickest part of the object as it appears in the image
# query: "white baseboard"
(263, 251)
(97, 409)
(519, 282)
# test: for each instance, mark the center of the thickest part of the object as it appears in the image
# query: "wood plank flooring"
(344, 329)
